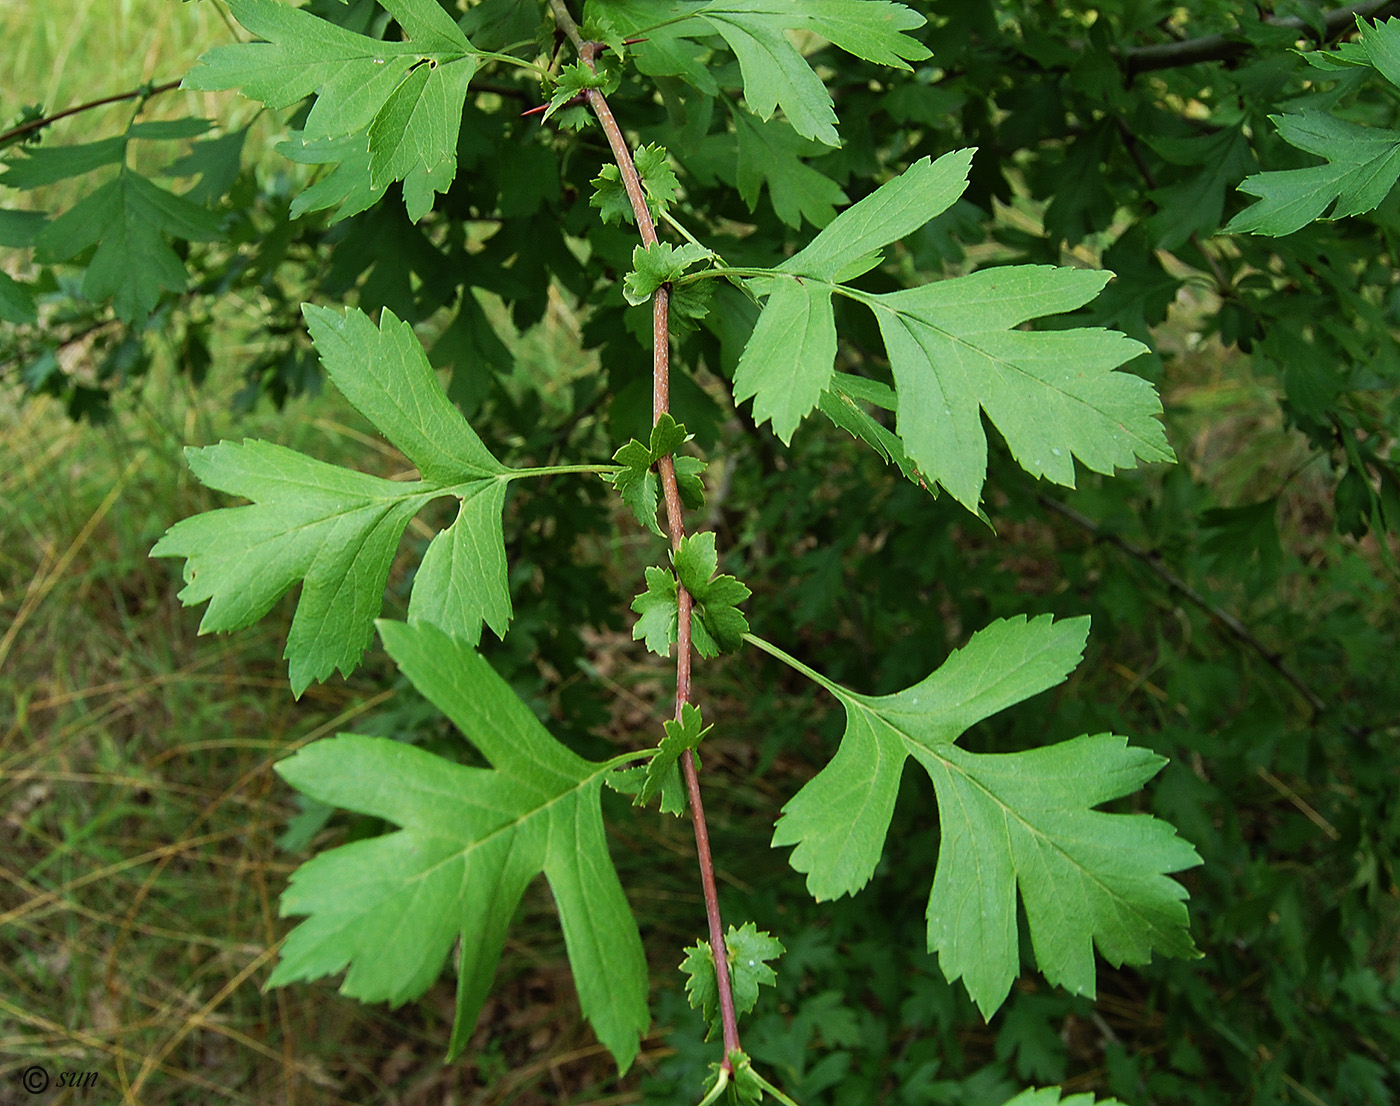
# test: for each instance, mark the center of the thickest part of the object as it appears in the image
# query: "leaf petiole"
(561, 470)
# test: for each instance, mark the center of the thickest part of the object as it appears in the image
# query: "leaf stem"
(560, 470)
(795, 664)
(661, 367)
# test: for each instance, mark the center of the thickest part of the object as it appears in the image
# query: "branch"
(1193, 51)
(1237, 629)
(145, 92)
(675, 522)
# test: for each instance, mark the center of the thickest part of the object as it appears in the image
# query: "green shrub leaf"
(389, 909)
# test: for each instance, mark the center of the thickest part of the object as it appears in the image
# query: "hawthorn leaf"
(659, 183)
(716, 626)
(1362, 166)
(335, 530)
(1050, 1096)
(131, 222)
(1010, 821)
(16, 301)
(789, 360)
(658, 264)
(841, 403)
(405, 98)
(776, 75)
(1053, 395)
(637, 483)
(658, 612)
(770, 154)
(389, 909)
(747, 951)
(664, 768)
(347, 187)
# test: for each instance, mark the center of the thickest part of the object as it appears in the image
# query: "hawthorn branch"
(675, 522)
(1274, 659)
(145, 92)
(1193, 51)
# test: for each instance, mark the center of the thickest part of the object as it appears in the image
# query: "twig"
(1192, 51)
(1232, 623)
(145, 92)
(675, 522)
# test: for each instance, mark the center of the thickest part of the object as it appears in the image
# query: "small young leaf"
(471, 840)
(680, 737)
(636, 482)
(653, 266)
(747, 951)
(1008, 821)
(717, 626)
(573, 81)
(658, 182)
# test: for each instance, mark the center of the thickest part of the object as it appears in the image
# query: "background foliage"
(1243, 602)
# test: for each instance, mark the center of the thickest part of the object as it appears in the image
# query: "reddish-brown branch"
(145, 92)
(675, 522)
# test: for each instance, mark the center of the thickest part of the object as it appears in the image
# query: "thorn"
(634, 41)
(534, 111)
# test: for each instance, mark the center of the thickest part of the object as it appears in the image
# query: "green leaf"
(789, 360)
(335, 530)
(717, 626)
(658, 183)
(16, 301)
(405, 97)
(1054, 396)
(1008, 821)
(841, 403)
(681, 737)
(130, 220)
(637, 483)
(776, 75)
(1362, 166)
(347, 187)
(1050, 1096)
(389, 909)
(746, 951)
(655, 265)
(658, 611)
(770, 154)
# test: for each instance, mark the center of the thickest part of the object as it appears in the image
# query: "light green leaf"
(1050, 1096)
(637, 483)
(717, 625)
(1362, 166)
(130, 221)
(471, 840)
(681, 737)
(406, 98)
(1019, 821)
(335, 530)
(347, 187)
(790, 357)
(1053, 395)
(841, 403)
(789, 360)
(775, 74)
(658, 264)
(747, 950)
(897, 208)
(659, 183)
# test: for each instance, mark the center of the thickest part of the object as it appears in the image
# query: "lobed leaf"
(389, 909)
(1009, 822)
(335, 531)
(405, 98)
